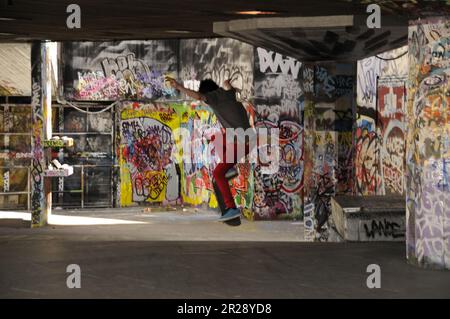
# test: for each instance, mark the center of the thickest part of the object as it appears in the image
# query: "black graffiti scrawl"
(218, 59)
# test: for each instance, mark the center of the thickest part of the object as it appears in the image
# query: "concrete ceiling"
(326, 38)
(153, 19)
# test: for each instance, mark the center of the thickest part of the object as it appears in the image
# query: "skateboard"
(229, 175)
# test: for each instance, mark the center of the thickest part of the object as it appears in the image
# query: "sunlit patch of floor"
(69, 220)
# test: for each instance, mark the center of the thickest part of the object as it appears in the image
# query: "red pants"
(220, 171)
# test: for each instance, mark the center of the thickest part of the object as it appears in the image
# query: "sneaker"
(230, 213)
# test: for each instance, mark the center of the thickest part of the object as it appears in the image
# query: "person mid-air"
(231, 114)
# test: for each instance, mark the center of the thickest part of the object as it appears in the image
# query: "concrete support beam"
(41, 103)
(318, 38)
(283, 23)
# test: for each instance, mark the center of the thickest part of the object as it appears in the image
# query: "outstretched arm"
(193, 94)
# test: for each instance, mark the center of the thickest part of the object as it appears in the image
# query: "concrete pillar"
(41, 103)
(428, 144)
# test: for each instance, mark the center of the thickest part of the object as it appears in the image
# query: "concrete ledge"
(369, 218)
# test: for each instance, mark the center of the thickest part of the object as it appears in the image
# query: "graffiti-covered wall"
(219, 59)
(278, 98)
(328, 143)
(380, 123)
(428, 144)
(134, 71)
(158, 164)
(97, 71)
(276, 91)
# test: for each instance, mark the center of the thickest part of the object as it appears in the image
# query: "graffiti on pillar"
(430, 206)
(428, 139)
(323, 180)
(278, 102)
(308, 149)
(367, 156)
(328, 119)
(380, 123)
(391, 129)
(380, 141)
(125, 69)
(37, 169)
(325, 164)
(332, 86)
(345, 160)
(334, 113)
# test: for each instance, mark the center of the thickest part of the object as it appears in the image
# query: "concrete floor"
(188, 255)
(138, 225)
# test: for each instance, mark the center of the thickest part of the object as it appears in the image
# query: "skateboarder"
(231, 114)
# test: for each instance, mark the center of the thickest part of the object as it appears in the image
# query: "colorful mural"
(165, 156)
(197, 168)
(148, 154)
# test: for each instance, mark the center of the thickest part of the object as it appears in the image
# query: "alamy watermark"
(74, 279)
(73, 21)
(256, 146)
(374, 19)
(374, 279)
